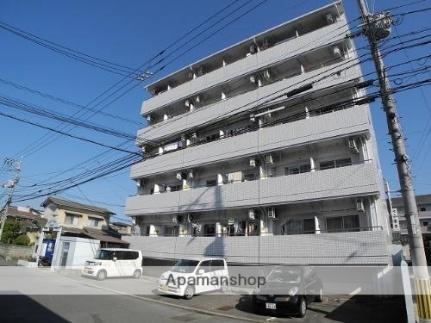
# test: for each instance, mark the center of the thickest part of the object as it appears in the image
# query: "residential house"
(82, 229)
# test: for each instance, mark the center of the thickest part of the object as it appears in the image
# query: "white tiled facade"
(233, 150)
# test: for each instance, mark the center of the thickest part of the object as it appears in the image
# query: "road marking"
(183, 307)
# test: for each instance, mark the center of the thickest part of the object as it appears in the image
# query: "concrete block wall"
(347, 248)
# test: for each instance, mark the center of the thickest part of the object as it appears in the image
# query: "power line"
(69, 52)
(34, 146)
(66, 134)
(66, 101)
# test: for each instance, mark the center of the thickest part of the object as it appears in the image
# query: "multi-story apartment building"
(400, 222)
(268, 137)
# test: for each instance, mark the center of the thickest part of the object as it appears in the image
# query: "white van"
(114, 262)
(189, 277)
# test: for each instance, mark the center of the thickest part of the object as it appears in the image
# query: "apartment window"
(94, 222)
(425, 223)
(209, 230)
(211, 182)
(343, 162)
(72, 219)
(292, 170)
(249, 177)
(213, 137)
(299, 226)
(342, 223)
(335, 163)
(422, 209)
(327, 164)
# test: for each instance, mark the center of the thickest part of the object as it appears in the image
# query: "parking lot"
(332, 309)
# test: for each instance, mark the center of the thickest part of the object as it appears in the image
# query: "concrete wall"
(346, 181)
(9, 251)
(337, 124)
(80, 250)
(351, 248)
(278, 53)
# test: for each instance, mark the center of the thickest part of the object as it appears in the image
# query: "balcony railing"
(224, 234)
(176, 126)
(341, 123)
(354, 180)
(263, 59)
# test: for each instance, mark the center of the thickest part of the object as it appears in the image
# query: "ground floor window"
(171, 231)
(209, 230)
(342, 223)
(298, 226)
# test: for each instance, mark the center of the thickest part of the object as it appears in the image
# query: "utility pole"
(10, 185)
(375, 28)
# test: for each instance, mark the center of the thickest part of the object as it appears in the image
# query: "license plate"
(271, 306)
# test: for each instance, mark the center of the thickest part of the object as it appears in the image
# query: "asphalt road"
(31, 295)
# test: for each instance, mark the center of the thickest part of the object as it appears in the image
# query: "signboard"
(52, 225)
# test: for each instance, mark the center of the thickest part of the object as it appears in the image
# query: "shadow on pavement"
(364, 308)
(357, 309)
(21, 308)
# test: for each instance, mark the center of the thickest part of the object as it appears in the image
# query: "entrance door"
(64, 253)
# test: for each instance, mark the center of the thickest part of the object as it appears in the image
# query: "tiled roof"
(72, 204)
(96, 234)
(13, 211)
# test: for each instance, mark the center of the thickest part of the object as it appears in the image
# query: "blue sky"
(128, 33)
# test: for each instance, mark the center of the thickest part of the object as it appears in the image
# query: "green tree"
(12, 229)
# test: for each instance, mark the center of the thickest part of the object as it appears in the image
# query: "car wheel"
(319, 297)
(189, 292)
(302, 307)
(137, 274)
(101, 275)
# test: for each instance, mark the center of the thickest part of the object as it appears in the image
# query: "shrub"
(22, 240)
(11, 231)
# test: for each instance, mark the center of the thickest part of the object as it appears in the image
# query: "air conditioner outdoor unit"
(330, 18)
(149, 118)
(253, 162)
(360, 205)
(267, 75)
(198, 99)
(187, 103)
(252, 79)
(251, 214)
(337, 52)
(351, 142)
(271, 213)
(269, 159)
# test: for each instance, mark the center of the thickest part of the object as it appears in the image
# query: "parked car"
(289, 289)
(189, 277)
(113, 262)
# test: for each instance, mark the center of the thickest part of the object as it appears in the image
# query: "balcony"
(341, 123)
(343, 248)
(226, 108)
(261, 60)
(354, 180)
